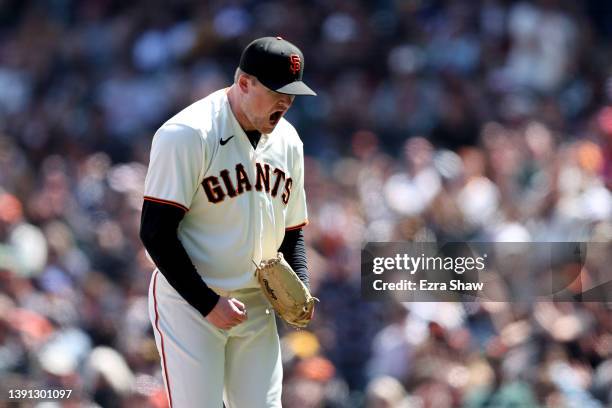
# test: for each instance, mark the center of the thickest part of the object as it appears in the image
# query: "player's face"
(264, 108)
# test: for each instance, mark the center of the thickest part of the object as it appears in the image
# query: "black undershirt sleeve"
(158, 232)
(294, 251)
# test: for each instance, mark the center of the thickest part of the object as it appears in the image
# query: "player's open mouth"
(275, 117)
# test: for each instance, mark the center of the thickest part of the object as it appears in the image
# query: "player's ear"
(244, 82)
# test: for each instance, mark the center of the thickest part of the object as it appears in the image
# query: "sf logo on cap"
(295, 63)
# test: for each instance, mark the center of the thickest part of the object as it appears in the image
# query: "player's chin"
(268, 127)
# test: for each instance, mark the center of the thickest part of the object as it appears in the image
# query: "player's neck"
(233, 98)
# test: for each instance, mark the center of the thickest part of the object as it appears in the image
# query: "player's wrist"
(209, 302)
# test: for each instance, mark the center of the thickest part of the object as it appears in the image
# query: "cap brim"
(296, 88)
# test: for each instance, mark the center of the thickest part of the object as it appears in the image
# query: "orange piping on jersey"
(161, 337)
(297, 226)
(159, 200)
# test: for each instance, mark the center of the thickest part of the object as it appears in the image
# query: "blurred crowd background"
(435, 121)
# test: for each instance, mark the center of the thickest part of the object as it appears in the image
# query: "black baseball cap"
(277, 64)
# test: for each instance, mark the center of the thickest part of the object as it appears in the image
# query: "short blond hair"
(241, 72)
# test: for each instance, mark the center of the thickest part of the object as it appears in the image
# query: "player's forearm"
(293, 249)
(158, 232)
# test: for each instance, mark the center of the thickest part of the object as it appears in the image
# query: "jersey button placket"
(257, 250)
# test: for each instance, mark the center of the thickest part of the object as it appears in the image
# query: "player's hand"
(227, 313)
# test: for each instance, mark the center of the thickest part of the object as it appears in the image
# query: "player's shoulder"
(200, 116)
(176, 132)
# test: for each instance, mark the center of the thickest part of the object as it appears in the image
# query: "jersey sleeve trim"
(297, 226)
(168, 202)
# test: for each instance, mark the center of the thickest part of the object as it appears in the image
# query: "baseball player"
(224, 191)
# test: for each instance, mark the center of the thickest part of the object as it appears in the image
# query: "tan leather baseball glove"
(288, 295)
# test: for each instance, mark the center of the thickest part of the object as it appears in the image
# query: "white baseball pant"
(203, 365)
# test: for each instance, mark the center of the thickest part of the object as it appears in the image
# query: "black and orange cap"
(277, 64)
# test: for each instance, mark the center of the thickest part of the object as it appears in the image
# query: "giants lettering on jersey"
(235, 182)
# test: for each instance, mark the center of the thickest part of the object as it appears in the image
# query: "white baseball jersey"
(239, 200)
